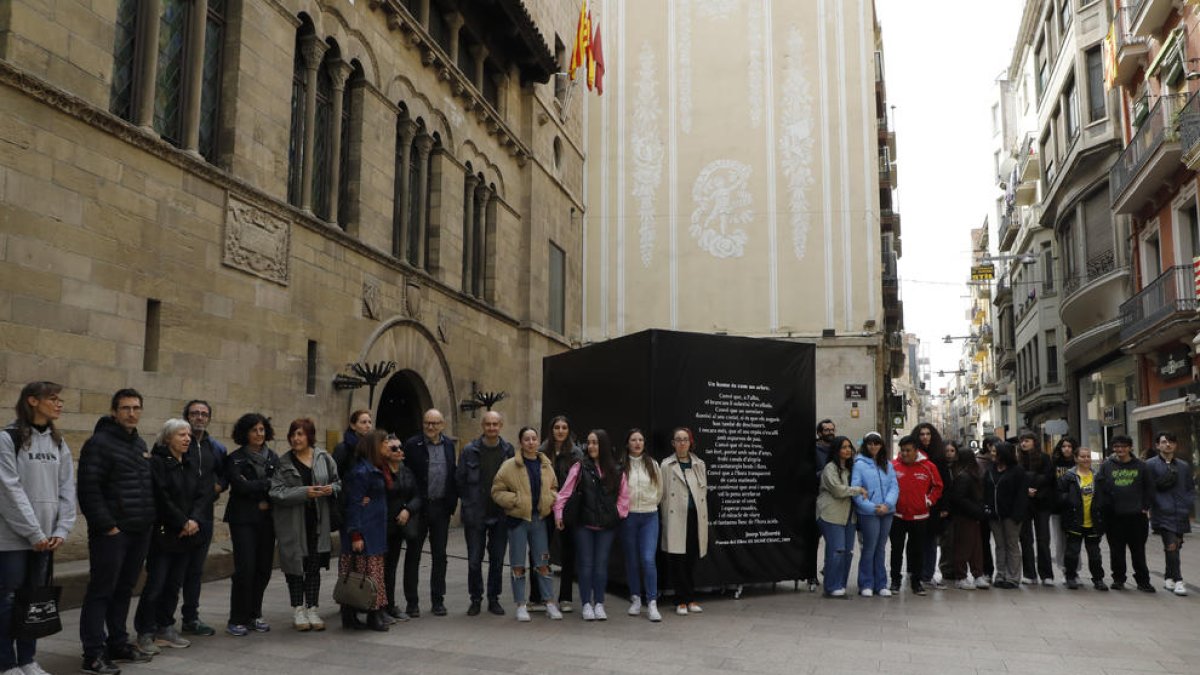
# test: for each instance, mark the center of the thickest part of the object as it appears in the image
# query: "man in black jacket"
(116, 496)
(206, 455)
(483, 520)
(431, 457)
(1128, 492)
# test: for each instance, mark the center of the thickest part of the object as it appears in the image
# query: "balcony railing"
(1174, 291)
(1097, 266)
(1160, 126)
(1189, 130)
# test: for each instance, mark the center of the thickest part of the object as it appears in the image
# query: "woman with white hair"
(179, 499)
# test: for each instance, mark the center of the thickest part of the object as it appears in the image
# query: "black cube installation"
(750, 403)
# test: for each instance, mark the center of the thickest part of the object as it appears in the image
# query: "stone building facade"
(740, 179)
(234, 199)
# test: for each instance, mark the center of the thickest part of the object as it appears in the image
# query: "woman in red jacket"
(920, 488)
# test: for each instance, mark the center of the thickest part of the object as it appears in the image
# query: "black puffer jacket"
(965, 497)
(179, 493)
(114, 485)
(249, 476)
(1006, 493)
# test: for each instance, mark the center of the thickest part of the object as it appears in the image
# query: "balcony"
(1008, 231)
(1006, 359)
(1131, 49)
(1028, 166)
(891, 277)
(1094, 295)
(1152, 155)
(1003, 293)
(1189, 132)
(1162, 312)
(889, 221)
(887, 178)
(1148, 16)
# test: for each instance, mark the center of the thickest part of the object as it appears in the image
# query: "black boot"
(350, 619)
(375, 621)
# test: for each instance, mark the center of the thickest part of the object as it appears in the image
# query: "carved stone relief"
(797, 141)
(413, 295)
(647, 151)
(256, 242)
(370, 298)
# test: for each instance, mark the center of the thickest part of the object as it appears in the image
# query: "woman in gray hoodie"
(37, 508)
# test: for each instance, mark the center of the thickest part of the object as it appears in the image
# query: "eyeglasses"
(54, 400)
(199, 413)
(129, 408)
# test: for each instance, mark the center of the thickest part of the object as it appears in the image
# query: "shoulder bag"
(35, 606)
(355, 589)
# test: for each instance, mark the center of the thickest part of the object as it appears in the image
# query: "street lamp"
(943, 373)
(1024, 258)
(949, 337)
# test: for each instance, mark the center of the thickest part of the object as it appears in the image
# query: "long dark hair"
(40, 390)
(606, 460)
(835, 449)
(965, 462)
(881, 460)
(368, 449)
(1006, 456)
(1057, 454)
(623, 459)
(936, 445)
(550, 447)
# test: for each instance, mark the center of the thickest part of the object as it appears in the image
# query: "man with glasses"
(431, 457)
(206, 456)
(483, 520)
(117, 499)
(1128, 492)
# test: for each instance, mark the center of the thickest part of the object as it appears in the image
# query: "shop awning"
(1176, 406)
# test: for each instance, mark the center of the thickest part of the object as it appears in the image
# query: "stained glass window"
(168, 89)
(124, 56)
(210, 88)
(296, 137)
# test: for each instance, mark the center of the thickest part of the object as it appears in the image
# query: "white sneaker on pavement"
(1180, 588)
(964, 585)
(553, 612)
(982, 582)
(681, 610)
(652, 611)
(589, 614)
(866, 593)
(1169, 584)
(598, 611)
(300, 618)
(635, 607)
(523, 613)
(314, 619)
(32, 668)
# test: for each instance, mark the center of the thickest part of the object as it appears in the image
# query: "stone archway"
(423, 374)
(401, 404)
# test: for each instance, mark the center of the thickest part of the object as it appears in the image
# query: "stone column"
(479, 229)
(469, 232)
(480, 53)
(423, 13)
(339, 70)
(194, 76)
(406, 130)
(455, 23)
(149, 17)
(424, 145)
(313, 50)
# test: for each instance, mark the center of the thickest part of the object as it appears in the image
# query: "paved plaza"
(1031, 630)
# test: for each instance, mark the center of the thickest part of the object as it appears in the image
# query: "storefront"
(1106, 393)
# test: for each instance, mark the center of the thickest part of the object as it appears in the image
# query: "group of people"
(152, 508)
(939, 504)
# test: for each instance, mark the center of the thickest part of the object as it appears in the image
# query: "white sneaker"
(553, 612)
(1180, 588)
(522, 613)
(866, 592)
(885, 592)
(589, 614)
(13, 671)
(1169, 584)
(1047, 582)
(565, 607)
(1029, 582)
(31, 668)
(635, 607)
(681, 610)
(314, 619)
(652, 611)
(695, 608)
(300, 618)
(598, 611)
(964, 585)
(982, 583)
(839, 593)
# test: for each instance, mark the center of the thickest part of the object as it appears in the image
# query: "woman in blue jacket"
(874, 473)
(364, 532)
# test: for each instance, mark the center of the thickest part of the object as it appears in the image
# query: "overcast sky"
(943, 84)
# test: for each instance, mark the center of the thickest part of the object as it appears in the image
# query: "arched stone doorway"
(421, 381)
(402, 403)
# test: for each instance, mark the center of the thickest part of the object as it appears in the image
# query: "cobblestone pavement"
(766, 630)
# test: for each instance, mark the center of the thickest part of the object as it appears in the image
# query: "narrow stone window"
(153, 331)
(310, 377)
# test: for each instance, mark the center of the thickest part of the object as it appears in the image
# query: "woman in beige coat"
(525, 487)
(684, 518)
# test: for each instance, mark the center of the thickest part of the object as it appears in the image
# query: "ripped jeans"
(527, 540)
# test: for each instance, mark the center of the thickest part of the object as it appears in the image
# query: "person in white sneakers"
(525, 487)
(37, 509)
(639, 530)
(1174, 493)
(684, 521)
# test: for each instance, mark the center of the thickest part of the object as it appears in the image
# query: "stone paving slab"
(767, 630)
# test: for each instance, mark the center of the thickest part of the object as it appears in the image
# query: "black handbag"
(355, 589)
(35, 607)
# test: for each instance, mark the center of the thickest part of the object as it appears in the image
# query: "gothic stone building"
(234, 199)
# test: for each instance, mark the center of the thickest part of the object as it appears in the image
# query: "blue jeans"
(493, 538)
(591, 556)
(528, 540)
(17, 567)
(839, 551)
(639, 541)
(872, 566)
